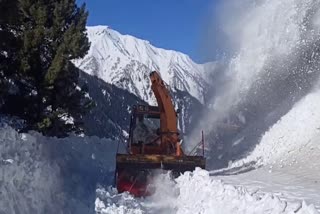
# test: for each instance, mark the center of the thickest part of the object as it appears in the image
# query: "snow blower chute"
(153, 144)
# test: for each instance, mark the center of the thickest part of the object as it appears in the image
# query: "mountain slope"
(126, 62)
(111, 116)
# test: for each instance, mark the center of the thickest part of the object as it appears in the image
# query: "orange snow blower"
(153, 144)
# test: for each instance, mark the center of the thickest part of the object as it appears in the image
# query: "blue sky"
(169, 24)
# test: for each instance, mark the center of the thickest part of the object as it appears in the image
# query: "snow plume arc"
(273, 62)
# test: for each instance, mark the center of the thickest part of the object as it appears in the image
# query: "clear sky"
(169, 24)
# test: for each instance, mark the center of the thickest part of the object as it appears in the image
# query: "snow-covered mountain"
(116, 70)
(126, 62)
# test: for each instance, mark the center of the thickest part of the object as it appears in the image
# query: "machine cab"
(144, 134)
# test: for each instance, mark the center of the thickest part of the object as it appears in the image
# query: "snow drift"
(50, 175)
(197, 192)
(285, 141)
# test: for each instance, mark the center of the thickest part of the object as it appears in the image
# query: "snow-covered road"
(291, 184)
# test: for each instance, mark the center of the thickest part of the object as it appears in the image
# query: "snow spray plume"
(165, 195)
(273, 62)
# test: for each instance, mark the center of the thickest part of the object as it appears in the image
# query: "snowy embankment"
(37, 171)
(197, 192)
(49, 175)
(286, 159)
(292, 139)
(28, 181)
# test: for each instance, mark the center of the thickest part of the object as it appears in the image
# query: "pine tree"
(8, 45)
(51, 33)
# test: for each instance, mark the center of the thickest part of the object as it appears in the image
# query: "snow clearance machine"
(153, 144)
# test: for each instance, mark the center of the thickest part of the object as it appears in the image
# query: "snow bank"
(298, 129)
(197, 192)
(29, 183)
(200, 193)
(50, 175)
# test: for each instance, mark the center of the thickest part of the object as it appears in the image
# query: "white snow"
(287, 157)
(126, 61)
(295, 131)
(116, 203)
(31, 179)
(286, 167)
(269, 36)
(198, 192)
(68, 119)
(8, 161)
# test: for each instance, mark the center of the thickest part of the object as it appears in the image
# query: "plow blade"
(136, 172)
(165, 162)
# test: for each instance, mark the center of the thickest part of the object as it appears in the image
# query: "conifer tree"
(51, 33)
(8, 45)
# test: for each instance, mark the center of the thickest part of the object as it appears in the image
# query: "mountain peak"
(126, 61)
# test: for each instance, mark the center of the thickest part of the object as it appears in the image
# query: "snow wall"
(49, 175)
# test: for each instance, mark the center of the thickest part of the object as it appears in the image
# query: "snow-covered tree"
(43, 83)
